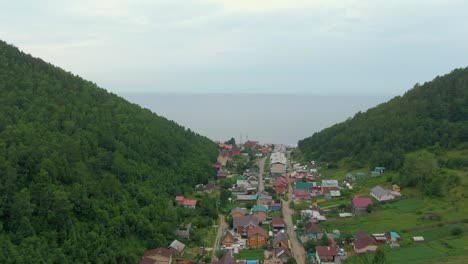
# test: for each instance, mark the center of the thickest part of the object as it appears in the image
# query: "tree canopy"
(85, 176)
(435, 113)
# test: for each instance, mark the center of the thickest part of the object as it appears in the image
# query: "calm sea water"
(268, 118)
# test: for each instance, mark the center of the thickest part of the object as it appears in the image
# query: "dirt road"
(261, 167)
(297, 249)
(222, 226)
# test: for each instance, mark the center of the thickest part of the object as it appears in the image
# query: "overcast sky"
(270, 46)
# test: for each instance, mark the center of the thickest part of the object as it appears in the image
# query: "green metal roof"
(259, 208)
(241, 177)
(304, 185)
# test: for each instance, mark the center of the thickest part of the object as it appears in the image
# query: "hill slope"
(86, 176)
(432, 114)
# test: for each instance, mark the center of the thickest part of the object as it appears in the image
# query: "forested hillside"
(85, 176)
(434, 115)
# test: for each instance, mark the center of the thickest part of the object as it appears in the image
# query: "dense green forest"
(85, 176)
(434, 114)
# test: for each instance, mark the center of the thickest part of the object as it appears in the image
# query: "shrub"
(456, 231)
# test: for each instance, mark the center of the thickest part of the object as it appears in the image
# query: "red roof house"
(326, 254)
(157, 255)
(221, 175)
(361, 202)
(364, 242)
(190, 203)
(278, 223)
(360, 205)
(280, 185)
(302, 195)
(179, 199)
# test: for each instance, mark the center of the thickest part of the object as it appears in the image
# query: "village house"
(236, 151)
(396, 188)
(326, 254)
(264, 199)
(277, 168)
(208, 188)
(224, 157)
(383, 195)
(278, 162)
(364, 243)
(243, 224)
(257, 237)
(221, 175)
(305, 186)
(177, 248)
(298, 176)
(260, 212)
(360, 205)
(225, 146)
(238, 212)
(184, 261)
(313, 231)
(274, 260)
(330, 188)
(228, 239)
(191, 204)
(278, 223)
(283, 253)
(281, 247)
(302, 195)
(157, 256)
(226, 259)
(252, 178)
(183, 232)
(393, 236)
(379, 169)
(218, 166)
(280, 185)
(250, 144)
(179, 199)
(275, 206)
(246, 183)
(281, 240)
(350, 177)
(380, 238)
(238, 191)
(317, 209)
(187, 203)
(246, 198)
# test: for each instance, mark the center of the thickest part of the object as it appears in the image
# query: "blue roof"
(394, 234)
(252, 262)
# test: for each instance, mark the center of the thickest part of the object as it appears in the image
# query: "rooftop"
(361, 202)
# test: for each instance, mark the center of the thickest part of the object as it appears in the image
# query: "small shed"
(380, 169)
(360, 175)
(275, 206)
(394, 236)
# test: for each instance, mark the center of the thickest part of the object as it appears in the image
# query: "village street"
(261, 166)
(222, 226)
(296, 248)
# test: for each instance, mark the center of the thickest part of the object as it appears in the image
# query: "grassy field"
(406, 216)
(251, 254)
(400, 216)
(445, 250)
(452, 250)
(210, 236)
